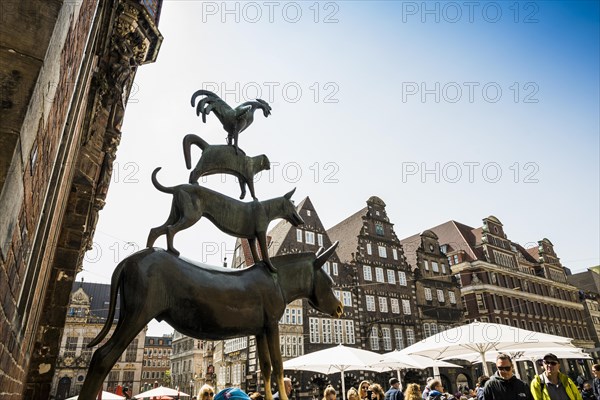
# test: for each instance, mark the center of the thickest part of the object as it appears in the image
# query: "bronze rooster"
(234, 121)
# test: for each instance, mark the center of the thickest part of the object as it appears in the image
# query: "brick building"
(504, 283)
(66, 69)
(157, 361)
(88, 310)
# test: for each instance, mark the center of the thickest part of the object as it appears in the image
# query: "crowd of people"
(551, 384)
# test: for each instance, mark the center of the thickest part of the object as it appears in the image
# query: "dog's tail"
(188, 141)
(157, 185)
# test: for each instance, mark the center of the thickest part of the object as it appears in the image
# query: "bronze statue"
(207, 302)
(222, 159)
(234, 121)
(244, 220)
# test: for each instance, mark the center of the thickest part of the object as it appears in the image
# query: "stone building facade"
(191, 363)
(66, 69)
(87, 313)
(157, 361)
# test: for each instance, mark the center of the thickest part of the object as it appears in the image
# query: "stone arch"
(317, 384)
(64, 387)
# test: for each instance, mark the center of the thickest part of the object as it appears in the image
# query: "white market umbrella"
(483, 338)
(399, 359)
(335, 359)
(160, 391)
(105, 396)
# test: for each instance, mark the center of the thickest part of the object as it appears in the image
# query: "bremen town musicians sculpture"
(211, 302)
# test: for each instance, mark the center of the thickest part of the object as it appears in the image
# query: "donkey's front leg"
(277, 363)
(265, 364)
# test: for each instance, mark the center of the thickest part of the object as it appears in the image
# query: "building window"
(402, 278)
(347, 299)
(382, 252)
(387, 338)
(71, 346)
(410, 336)
(334, 268)
(326, 330)
(308, 213)
(440, 296)
(391, 276)
(379, 274)
(434, 266)
(428, 296)
(426, 330)
(455, 258)
(349, 331)
(367, 273)
(131, 352)
(315, 335)
(480, 301)
(370, 302)
(406, 308)
(310, 237)
(338, 331)
(374, 338)
(395, 306)
(399, 340)
(395, 254)
(452, 297)
(383, 307)
(443, 268)
(369, 249)
(379, 229)
(426, 265)
(299, 235)
(326, 267)
(320, 239)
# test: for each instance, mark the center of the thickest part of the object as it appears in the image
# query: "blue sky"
(516, 100)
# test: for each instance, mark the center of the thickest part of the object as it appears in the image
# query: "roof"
(410, 245)
(99, 294)
(346, 232)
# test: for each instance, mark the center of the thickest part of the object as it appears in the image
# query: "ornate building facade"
(504, 283)
(85, 318)
(66, 72)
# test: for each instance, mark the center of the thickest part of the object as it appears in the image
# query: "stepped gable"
(346, 232)
(459, 237)
(410, 246)
(283, 237)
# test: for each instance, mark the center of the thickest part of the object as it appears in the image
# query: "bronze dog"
(222, 159)
(244, 220)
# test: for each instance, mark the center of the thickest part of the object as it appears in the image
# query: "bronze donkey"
(207, 302)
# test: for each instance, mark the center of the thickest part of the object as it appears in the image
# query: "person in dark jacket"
(503, 385)
(596, 381)
(587, 393)
(394, 392)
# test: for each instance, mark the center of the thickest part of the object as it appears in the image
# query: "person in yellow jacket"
(552, 384)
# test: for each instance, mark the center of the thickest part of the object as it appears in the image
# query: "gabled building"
(385, 287)
(504, 283)
(438, 291)
(87, 313)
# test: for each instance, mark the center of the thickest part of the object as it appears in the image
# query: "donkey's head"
(322, 296)
(289, 212)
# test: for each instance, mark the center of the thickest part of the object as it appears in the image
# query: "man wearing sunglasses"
(504, 385)
(553, 384)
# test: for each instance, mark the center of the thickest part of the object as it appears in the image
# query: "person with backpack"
(553, 384)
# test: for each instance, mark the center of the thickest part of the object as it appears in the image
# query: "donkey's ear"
(289, 194)
(324, 256)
